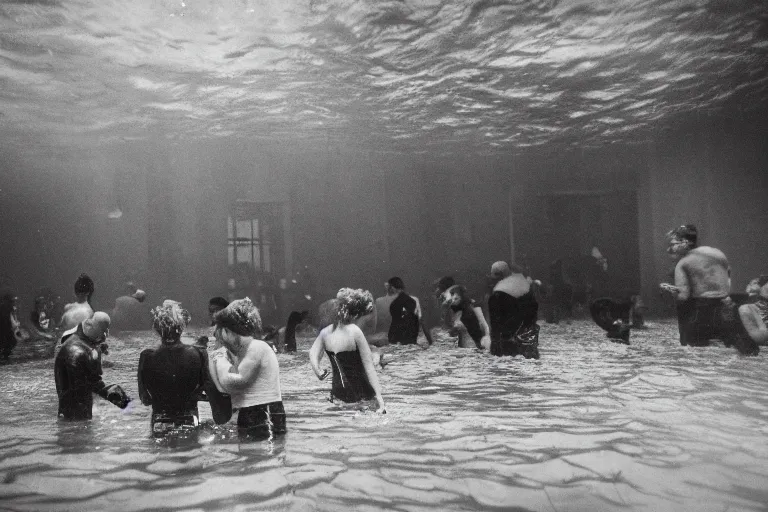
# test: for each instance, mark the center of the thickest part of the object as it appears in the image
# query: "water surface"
(591, 426)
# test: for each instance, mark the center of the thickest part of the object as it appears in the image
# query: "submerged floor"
(591, 426)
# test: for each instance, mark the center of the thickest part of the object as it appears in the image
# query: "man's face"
(212, 310)
(753, 288)
(678, 247)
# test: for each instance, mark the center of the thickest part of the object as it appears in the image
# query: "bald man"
(77, 370)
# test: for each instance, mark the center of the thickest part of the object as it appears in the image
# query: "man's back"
(707, 271)
(405, 319)
(171, 374)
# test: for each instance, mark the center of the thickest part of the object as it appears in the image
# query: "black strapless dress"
(350, 383)
(513, 325)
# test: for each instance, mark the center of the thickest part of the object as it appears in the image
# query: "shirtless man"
(76, 312)
(702, 285)
(754, 316)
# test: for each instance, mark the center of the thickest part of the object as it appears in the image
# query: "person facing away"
(512, 308)
(215, 305)
(405, 313)
(354, 374)
(754, 316)
(129, 312)
(172, 376)
(76, 312)
(77, 370)
(702, 287)
(254, 382)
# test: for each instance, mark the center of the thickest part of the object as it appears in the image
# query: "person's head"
(240, 319)
(601, 260)
(139, 295)
(762, 282)
(682, 239)
(130, 288)
(444, 283)
(170, 320)
(295, 318)
(394, 285)
(456, 296)
(215, 305)
(351, 304)
(500, 270)
(96, 328)
(84, 288)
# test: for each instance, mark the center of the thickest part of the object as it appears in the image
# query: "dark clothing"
(263, 420)
(404, 328)
(77, 371)
(513, 324)
(471, 322)
(7, 335)
(613, 316)
(172, 378)
(350, 383)
(704, 319)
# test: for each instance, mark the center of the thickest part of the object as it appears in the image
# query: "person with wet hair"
(77, 370)
(702, 287)
(406, 317)
(513, 312)
(76, 312)
(354, 373)
(754, 316)
(172, 377)
(254, 382)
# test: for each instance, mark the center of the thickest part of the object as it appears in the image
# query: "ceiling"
(410, 75)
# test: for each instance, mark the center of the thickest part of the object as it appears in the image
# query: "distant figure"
(254, 383)
(129, 313)
(466, 317)
(215, 305)
(76, 312)
(354, 374)
(40, 317)
(77, 370)
(173, 376)
(513, 312)
(753, 289)
(702, 285)
(405, 314)
(381, 314)
(754, 316)
(10, 333)
(440, 286)
(285, 339)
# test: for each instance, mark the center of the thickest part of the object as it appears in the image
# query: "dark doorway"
(571, 223)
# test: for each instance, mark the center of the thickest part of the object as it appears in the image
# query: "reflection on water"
(591, 426)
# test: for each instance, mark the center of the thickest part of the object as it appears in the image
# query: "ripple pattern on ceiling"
(411, 74)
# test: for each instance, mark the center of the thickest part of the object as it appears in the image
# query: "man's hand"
(117, 396)
(323, 375)
(669, 288)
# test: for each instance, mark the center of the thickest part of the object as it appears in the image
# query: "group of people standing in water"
(236, 367)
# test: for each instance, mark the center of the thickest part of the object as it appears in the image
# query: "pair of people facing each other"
(702, 287)
(242, 373)
(512, 310)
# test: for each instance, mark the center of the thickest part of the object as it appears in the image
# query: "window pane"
(231, 252)
(243, 229)
(229, 227)
(267, 258)
(244, 254)
(256, 228)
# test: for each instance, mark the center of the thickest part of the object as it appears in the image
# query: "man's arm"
(754, 324)
(144, 395)
(245, 374)
(681, 282)
(427, 334)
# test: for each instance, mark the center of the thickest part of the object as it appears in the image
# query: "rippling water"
(591, 426)
(402, 74)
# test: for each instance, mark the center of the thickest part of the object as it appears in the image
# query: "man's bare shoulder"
(707, 252)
